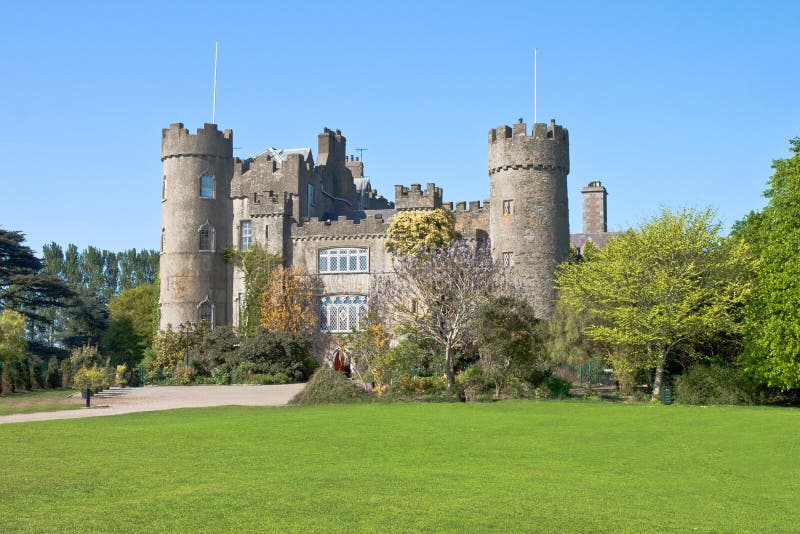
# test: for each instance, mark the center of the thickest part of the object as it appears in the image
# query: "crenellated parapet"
(341, 228)
(471, 218)
(270, 203)
(512, 148)
(208, 141)
(414, 198)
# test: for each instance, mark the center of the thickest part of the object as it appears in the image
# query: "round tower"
(196, 215)
(528, 213)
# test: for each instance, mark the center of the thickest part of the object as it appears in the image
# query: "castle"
(324, 215)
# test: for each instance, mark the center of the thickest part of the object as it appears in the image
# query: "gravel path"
(154, 398)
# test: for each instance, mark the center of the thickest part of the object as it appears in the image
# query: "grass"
(508, 466)
(40, 400)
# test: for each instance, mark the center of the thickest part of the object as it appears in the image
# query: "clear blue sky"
(671, 104)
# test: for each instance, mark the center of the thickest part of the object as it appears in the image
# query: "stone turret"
(195, 225)
(528, 211)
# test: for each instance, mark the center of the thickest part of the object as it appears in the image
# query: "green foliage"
(557, 387)
(327, 386)
(772, 338)
(505, 330)
(473, 382)
(277, 352)
(563, 337)
(24, 287)
(171, 347)
(98, 378)
(256, 265)
(137, 305)
(12, 336)
(53, 373)
(121, 342)
(714, 384)
(412, 231)
(671, 283)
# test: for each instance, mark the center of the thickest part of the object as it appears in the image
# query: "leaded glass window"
(206, 235)
(342, 313)
(508, 259)
(205, 313)
(344, 260)
(245, 234)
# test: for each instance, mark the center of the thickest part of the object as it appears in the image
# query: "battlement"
(474, 206)
(270, 203)
(342, 227)
(510, 147)
(414, 198)
(208, 141)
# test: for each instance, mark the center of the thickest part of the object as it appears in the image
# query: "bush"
(704, 384)
(327, 386)
(553, 387)
(473, 382)
(277, 352)
(221, 375)
(98, 378)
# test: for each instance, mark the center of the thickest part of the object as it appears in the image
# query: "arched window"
(205, 313)
(206, 235)
(207, 186)
(342, 313)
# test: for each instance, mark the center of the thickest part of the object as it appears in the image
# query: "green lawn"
(40, 400)
(510, 466)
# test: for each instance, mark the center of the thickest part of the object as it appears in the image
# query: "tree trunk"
(662, 357)
(448, 369)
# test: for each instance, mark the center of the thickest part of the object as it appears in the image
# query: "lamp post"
(186, 329)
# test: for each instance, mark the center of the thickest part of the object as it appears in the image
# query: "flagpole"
(214, 100)
(534, 89)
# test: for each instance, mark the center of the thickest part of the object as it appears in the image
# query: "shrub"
(423, 384)
(267, 379)
(715, 384)
(86, 356)
(327, 386)
(278, 352)
(473, 382)
(553, 387)
(6, 384)
(98, 378)
(221, 375)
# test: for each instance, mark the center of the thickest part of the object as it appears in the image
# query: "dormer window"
(207, 186)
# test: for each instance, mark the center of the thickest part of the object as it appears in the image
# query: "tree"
(256, 265)
(670, 283)
(436, 295)
(772, 335)
(137, 306)
(413, 231)
(12, 336)
(288, 301)
(506, 332)
(23, 286)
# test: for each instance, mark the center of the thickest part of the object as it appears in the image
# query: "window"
(205, 312)
(245, 234)
(508, 207)
(206, 235)
(164, 188)
(310, 194)
(508, 259)
(206, 186)
(344, 260)
(163, 236)
(266, 235)
(342, 313)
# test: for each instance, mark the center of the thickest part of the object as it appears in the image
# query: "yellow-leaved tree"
(413, 231)
(287, 304)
